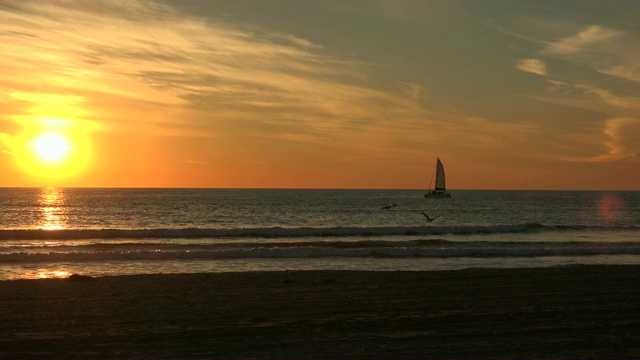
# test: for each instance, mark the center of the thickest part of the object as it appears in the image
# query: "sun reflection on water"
(611, 208)
(52, 274)
(51, 203)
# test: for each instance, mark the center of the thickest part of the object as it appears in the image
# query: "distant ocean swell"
(314, 249)
(275, 232)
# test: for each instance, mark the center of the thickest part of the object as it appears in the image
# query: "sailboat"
(440, 190)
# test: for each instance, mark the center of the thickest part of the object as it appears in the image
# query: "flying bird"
(429, 219)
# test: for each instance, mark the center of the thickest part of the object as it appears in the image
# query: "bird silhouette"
(429, 219)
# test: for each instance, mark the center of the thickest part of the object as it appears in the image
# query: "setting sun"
(51, 147)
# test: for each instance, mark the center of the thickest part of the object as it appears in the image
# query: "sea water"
(53, 232)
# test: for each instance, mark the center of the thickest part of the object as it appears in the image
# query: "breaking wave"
(318, 249)
(270, 232)
(91, 245)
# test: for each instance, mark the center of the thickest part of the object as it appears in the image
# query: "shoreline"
(582, 311)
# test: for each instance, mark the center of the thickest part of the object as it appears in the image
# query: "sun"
(51, 147)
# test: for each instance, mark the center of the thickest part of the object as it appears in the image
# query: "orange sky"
(322, 94)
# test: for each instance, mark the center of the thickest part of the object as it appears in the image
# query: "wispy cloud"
(604, 50)
(624, 139)
(144, 66)
(6, 143)
(609, 98)
(630, 71)
(613, 110)
(591, 35)
(533, 66)
(151, 67)
(412, 89)
(142, 52)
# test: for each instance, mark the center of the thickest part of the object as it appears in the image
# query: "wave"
(320, 249)
(276, 232)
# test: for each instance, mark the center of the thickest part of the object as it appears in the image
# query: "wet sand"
(569, 312)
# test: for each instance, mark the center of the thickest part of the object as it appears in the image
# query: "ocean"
(55, 232)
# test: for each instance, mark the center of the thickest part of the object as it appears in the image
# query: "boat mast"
(432, 176)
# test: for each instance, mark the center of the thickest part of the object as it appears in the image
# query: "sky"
(321, 94)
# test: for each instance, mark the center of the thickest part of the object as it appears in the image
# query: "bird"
(388, 207)
(429, 219)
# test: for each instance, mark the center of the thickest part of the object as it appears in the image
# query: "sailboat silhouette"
(440, 190)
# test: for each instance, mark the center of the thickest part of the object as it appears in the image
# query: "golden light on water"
(51, 203)
(51, 274)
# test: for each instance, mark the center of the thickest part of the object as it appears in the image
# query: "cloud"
(46, 98)
(151, 68)
(589, 36)
(533, 66)
(629, 72)
(624, 139)
(412, 89)
(607, 97)
(6, 143)
(156, 62)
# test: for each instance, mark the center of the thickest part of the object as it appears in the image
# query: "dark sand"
(569, 312)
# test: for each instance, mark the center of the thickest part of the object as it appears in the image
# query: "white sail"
(440, 176)
(440, 190)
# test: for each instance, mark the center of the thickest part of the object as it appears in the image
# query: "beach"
(563, 312)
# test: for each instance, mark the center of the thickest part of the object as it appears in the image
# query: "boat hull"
(437, 195)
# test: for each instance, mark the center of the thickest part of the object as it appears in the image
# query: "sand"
(568, 312)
